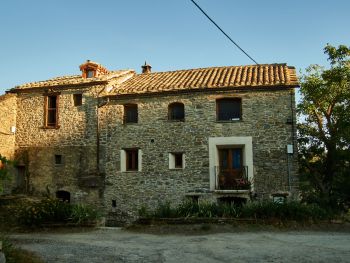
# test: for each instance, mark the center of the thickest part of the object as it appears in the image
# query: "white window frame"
(172, 161)
(123, 161)
(246, 142)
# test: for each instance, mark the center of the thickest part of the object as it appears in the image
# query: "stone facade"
(87, 151)
(7, 121)
(156, 137)
(75, 141)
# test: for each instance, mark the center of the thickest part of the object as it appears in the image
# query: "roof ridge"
(218, 67)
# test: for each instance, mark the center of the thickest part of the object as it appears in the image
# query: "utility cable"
(223, 31)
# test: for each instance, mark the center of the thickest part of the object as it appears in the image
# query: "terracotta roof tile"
(268, 75)
(74, 80)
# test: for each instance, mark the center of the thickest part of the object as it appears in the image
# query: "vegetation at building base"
(4, 170)
(324, 131)
(55, 211)
(17, 255)
(266, 210)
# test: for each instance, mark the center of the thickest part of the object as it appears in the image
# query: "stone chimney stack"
(146, 68)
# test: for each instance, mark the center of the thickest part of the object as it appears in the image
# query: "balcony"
(231, 179)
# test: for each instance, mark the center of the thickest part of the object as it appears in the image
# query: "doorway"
(230, 167)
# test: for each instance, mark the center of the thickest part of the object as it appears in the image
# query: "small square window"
(130, 113)
(229, 109)
(78, 99)
(176, 112)
(58, 159)
(176, 161)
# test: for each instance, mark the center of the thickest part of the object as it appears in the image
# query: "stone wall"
(75, 141)
(264, 118)
(8, 109)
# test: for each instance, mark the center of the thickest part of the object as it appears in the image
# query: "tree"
(324, 128)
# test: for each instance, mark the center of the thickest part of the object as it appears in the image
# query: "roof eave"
(61, 86)
(206, 89)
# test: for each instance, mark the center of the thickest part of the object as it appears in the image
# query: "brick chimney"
(146, 68)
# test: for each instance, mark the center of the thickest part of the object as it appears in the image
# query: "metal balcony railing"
(232, 179)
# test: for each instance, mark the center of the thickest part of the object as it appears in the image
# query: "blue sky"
(41, 39)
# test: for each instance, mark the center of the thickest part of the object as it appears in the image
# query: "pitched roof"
(254, 76)
(74, 80)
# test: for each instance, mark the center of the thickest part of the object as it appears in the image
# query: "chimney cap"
(146, 68)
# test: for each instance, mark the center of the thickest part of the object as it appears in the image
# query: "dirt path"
(116, 245)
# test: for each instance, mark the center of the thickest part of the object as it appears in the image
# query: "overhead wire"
(223, 32)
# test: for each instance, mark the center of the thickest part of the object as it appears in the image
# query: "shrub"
(51, 210)
(143, 212)
(47, 210)
(287, 211)
(83, 214)
(265, 210)
(164, 210)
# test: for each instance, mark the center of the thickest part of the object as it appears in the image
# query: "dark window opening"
(228, 109)
(51, 111)
(58, 159)
(132, 160)
(63, 195)
(176, 111)
(114, 203)
(178, 160)
(78, 99)
(21, 179)
(130, 113)
(90, 73)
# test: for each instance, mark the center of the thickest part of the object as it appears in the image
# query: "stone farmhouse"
(122, 140)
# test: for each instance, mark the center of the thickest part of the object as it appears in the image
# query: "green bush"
(164, 210)
(286, 211)
(81, 214)
(266, 210)
(51, 210)
(47, 210)
(143, 212)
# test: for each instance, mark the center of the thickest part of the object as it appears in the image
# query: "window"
(58, 159)
(176, 161)
(78, 99)
(132, 160)
(130, 113)
(63, 195)
(176, 111)
(228, 109)
(90, 73)
(51, 111)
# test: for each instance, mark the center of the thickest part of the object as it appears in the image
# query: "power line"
(223, 31)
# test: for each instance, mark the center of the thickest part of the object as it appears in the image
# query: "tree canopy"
(324, 127)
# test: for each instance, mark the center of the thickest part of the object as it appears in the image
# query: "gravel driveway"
(116, 245)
